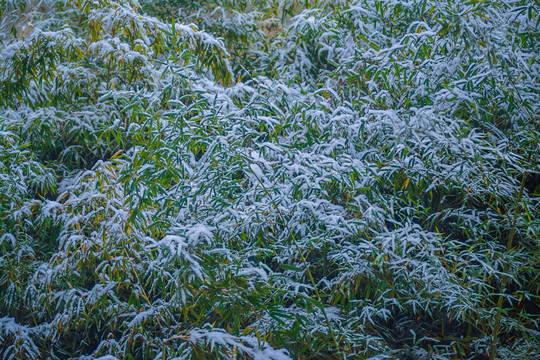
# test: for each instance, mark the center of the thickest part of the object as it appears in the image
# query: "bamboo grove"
(269, 179)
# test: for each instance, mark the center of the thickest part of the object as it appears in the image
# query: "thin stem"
(505, 278)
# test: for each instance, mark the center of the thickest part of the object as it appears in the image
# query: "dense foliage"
(269, 179)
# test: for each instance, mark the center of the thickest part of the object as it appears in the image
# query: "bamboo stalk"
(505, 278)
